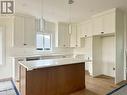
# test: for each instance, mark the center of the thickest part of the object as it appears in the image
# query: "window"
(43, 42)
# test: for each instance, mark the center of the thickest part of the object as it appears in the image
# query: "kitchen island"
(61, 76)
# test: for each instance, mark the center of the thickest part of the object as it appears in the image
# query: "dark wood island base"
(57, 80)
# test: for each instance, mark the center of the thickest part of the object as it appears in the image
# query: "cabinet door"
(66, 35)
(73, 39)
(60, 36)
(98, 25)
(78, 44)
(29, 32)
(89, 29)
(18, 31)
(63, 35)
(83, 30)
(49, 26)
(86, 29)
(109, 23)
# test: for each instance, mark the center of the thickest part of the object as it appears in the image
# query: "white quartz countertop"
(31, 65)
(40, 55)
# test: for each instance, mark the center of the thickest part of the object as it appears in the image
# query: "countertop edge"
(29, 68)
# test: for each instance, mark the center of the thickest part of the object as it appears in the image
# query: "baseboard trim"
(103, 75)
(6, 79)
(122, 82)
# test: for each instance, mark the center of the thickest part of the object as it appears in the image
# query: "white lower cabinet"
(88, 67)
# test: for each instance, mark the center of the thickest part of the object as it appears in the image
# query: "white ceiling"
(58, 10)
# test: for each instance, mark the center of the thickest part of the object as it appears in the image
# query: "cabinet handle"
(102, 32)
(25, 44)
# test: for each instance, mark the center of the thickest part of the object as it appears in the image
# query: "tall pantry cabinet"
(108, 24)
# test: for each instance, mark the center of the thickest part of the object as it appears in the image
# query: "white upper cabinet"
(24, 31)
(49, 26)
(78, 43)
(98, 25)
(89, 29)
(85, 29)
(109, 23)
(62, 35)
(75, 36)
(29, 32)
(82, 29)
(104, 23)
(18, 40)
(67, 35)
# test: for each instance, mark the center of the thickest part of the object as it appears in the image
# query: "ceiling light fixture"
(70, 2)
(42, 20)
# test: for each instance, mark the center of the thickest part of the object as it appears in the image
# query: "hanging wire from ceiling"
(42, 20)
(70, 2)
(42, 7)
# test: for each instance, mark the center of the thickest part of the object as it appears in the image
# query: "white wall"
(19, 52)
(6, 68)
(86, 50)
(108, 55)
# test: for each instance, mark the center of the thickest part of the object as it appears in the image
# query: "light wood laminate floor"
(97, 86)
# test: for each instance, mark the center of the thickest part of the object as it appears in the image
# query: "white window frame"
(3, 45)
(43, 41)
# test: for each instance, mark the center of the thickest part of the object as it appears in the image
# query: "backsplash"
(31, 51)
